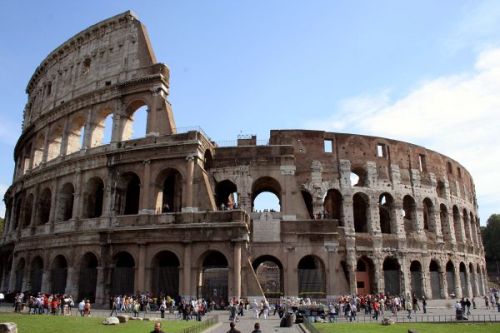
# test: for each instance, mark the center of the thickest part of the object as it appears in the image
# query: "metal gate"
(392, 282)
(19, 279)
(435, 285)
(166, 281)
(122, 281)
(87, 284)
(214, 285)
(36, 280)
(312, 283)
(58, 277)
(416, 283)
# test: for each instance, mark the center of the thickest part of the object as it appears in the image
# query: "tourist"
(157, 328)
(408, 306)
(256, 328)
(81, 307)
(376, 309)
(424, 304)
(86, 308)
(163, 306)
(232, 328)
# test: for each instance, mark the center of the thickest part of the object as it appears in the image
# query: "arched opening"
(308, 201)
(473, 280)
(410, 214)
(358, 177)
(88, 277)
(21, 266)
(416, 279)
(445, 223)
(435, 280)
(226, 195)
(480, 280)
(266, 195)
(28, 210)
(457, 224)
(36, 275)
(467, 227)
(54, 142)
(135, 126)
(123, 276)
(207, 160)
(102, 129)
(75, 134)
(360, 212)
(333, 205)
(165, 274)
(38, 149)
(59, 274)
(65, 202)
(463, 280)
(386, 213)
(94, 195)
(269, 273)
(18, 211)
(365, 271)
(128, 194)
(44, 203)
(311, 275)
(392, 276)
(213, 282)
(428, 210)
(450, 278)
(441, 189)
(169, 195)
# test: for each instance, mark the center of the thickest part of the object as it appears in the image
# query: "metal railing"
(481, 318)
(203, 325)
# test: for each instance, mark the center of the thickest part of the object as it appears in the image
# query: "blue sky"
(245, 67)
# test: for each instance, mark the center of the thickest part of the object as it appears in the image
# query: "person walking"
(256, 328)
(408, 307)
(424, 304)
(232, 328)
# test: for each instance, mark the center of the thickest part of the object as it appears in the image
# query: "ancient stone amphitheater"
(172, 212)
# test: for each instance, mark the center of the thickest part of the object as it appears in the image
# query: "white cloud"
(457, 115)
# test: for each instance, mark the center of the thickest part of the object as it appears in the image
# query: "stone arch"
(169, 191)
(36, 274)
(65, 202)
(311, 277)
(463, 279)
(416, 279)
(28, 210)
(54, 141)
(428, 211)
(138, 108)
(386, 213)
(44, 205)
(226, 194)
(94, 195)
(457, 225)
(392, 276)
(38, 149)
(450, 278)
(467, 227)
(123, 275)
(360, 207)
(58, 275)
(441, 189)
(308, 201)
(19, 200)
(88, 277)
(76, 133)
(269, 271)
(165, 274)
(207, 160)
(101, 130)
(266, 184)
(19, 277)
(358, 176)
(333, 205)
(365, 273)
(128, 194)
(445, 222)
(410, 214)
(213, 282)
(435, 277)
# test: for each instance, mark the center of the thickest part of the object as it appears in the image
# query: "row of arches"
(85, 130)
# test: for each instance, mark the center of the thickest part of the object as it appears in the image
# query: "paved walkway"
(247, 322)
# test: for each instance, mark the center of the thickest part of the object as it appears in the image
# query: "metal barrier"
(402, 318)
(203, 325)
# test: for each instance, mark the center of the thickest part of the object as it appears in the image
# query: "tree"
(491, 241)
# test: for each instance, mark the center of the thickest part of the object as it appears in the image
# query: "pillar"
(458, 282)
(78, 197)
(443, 283)
(99, 290)
(64, 140)
(186, 273)
(291, 274)
(237, 270)
(188, 188)
(141, 268)
(378, 276)
(405, 276)
(147, 205)
(72, 282)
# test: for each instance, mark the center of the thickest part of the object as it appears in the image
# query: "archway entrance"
(20, 275)
(364, 276)
(213, 283)
(88, 277)
(392, 276)
(123, 276)
(416, 279)
(463, 280)
(311, 277)
(165, 275)
(450, 278)
(270, 276)
(36, 275)
(59, 274)
(435, 280)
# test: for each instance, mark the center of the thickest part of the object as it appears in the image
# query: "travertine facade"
(173, 212)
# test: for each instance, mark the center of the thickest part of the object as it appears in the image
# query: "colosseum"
(172, 212)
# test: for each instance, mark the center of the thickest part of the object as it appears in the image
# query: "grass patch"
(419, 327)
(75, 324)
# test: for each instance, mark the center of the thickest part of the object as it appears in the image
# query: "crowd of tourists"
(54, 304)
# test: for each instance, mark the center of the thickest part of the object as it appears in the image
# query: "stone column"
(64, 140)
(78, 197)
(291, 274)
(379, 276)
(12, 277)
(405, 276)
(443, 283)
(237, 270)
(186, 276)
(72, 282)
(426, 283)
(188, 188)
(45, 145)
(351, 264)
(141, 268)
(458, 282)
(373, 218)
(99, 290)
(87, 131)
(468, 283)
(147, 205)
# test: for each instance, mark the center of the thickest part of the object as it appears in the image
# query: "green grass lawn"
(75, 324)
(403, 328)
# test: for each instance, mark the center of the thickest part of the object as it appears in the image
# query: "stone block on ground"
(111, 321)
(388, 321)
(135, 318)
(8, 328)
(123, 318)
